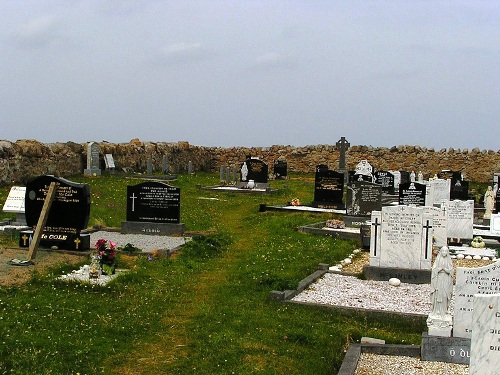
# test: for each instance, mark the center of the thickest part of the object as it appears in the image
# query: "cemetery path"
(18, 275)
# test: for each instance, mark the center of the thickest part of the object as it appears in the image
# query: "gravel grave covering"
(145, 242)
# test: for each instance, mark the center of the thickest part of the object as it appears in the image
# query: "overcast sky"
(252, 73)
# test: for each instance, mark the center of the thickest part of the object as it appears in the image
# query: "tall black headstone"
(459, 189)
(386, 180)
(412, 193)
(328, 189)
(254, 169)
(363, 198)
(68, 215)
(280, 169)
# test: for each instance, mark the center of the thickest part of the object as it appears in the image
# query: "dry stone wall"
(24, 159)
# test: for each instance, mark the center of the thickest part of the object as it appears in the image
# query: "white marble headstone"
(495, 224)
(437, 191)
(471, 282)
(15, 200)
(364, 168)
(438, 225)
(460, 218)
(401, 238)
(485, 341)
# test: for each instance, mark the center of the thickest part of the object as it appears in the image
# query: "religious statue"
(412, 176)
(420, 178)
(441, 292)
(244, 171)
(489, 203)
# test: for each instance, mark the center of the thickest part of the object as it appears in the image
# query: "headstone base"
(437, 326)
(356, 221)
(409, 276)
(445, 349)
(63, 241)
(92, 172)
(329, 205)
(159, 229)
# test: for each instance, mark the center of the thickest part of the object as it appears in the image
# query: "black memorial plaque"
(412, 193)
(450, 175)
(70, 210)
(363, 198)
(386, 180)
(154, 202)
(280, 169)
(459, 190)
(257, 171)
(328, 189)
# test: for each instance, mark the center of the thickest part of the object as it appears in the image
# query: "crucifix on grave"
(342, 144)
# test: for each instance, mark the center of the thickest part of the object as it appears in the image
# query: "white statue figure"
(412, 176)
(441, 291)
(244, 171)
(420, 178)
(489, 202)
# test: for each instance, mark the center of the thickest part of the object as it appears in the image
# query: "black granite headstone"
(412, 193)
(154, 202)
(363, 198)
(328, 189)
(386, 180)
(459, 190)
(256, 169)
(405, 177)
(68, 214)
(450, 175)
(280, 169)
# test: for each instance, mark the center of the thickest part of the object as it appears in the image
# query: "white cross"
(133, 197)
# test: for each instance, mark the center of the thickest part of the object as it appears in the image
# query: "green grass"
(203, 311)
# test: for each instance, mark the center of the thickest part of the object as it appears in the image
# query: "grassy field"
(203, 311)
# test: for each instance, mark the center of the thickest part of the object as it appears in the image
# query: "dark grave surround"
(410, 276)
(280, 169)
(445, 349)
(256, 170)
(412, 193)
(153, 207)
(363, 198)
(386, 180)
(68, 215)
(328, 189)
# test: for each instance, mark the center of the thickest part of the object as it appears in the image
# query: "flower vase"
(108, 266)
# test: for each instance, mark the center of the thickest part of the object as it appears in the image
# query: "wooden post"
(42, 220)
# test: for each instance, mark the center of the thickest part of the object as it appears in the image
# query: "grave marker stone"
(471, 282)
(15, 203)
(109, 161)
(364, 171)
(460, 218)
(190, 167)
(386, 180)
(485, 341)
(439, 227)
(280, 169)
(363, 198)
(149, 165)
(256, 170)
(93, 168)
(68, 216)
(165, 164)
(495, 224)
(328, 189)
(437, 191)
(459, 190)
(412, 193)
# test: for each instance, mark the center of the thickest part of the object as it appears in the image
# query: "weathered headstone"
(165, 164)
(386, 180)
(149, 165)
(222, 171)
(93, 168)
(485, 341)
(153, 208)
(459, 218)
(412, 193)
(68, 216)
(363, 171)
(437, 191)
(469, 283)
(342, 145)
(328, 189)
(190, 167)
(402, 239)
(280, 169)
(363, 198)
(15, 203)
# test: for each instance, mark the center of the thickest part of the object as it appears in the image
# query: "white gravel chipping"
(348, 291)
(144, 242)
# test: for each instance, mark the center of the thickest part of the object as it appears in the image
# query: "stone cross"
(342, 145)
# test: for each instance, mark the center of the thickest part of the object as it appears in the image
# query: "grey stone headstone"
(222, 170)
(149, 166)
(93, 151)
(485, 343)
(165, 164)
(460, 218)
(190, 167)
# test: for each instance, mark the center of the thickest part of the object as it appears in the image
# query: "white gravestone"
(470, 282)
(401, 238)
(485, 341)
(109, 161)
(364, 168)
(437, 191)
(460, 218)
(15, 200)
(495, 224)
(397, 179)
(439, 238)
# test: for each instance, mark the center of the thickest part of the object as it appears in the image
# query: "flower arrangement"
(295, 202)
(106, 253)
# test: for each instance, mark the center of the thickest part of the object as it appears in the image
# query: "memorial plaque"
(485, 341)
(280, 169)
(460, 218)
(412, 193)
(402, 239)
(70, 210)
(386, 180)
(329, 189)
(471, 282)
(254, 169)
(154, 202)
(363, 198)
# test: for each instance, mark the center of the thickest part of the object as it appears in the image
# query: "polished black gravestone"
(280, 169)
(153, 208)
(386, 180)
(68, 215)
(363, 198)
(459, 190)
(412, 193)
(328, 189)
(256, 170)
